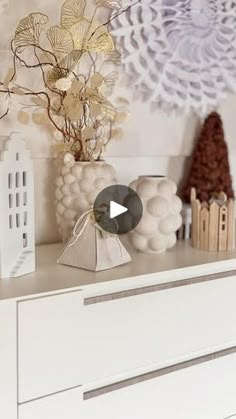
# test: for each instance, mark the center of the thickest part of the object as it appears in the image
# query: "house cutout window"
(17, 220)
(24, 178)
(25, 218)
(17, 179)
(25, 198)
(17, 199)
(25, 240)
(17, 156)
(10, 201)
(10, 222)
(9, 180)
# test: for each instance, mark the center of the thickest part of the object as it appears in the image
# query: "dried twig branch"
(115, 16)
(4, 114)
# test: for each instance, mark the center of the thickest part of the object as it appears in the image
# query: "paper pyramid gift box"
(92, 248)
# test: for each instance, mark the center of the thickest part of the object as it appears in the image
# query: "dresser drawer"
(65, 343)
(206, 391)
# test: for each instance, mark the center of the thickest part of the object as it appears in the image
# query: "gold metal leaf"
(73, 107)
(93, 95)
(109, 83)
(56, 74)
(122, 101)
(108, 111)
(111, 79)
(59, 120)
(96, 80)
(72, 11)
(50, 128)
(18, 91)
(23, 117)
(95, 110)
(9, 77)
(113, 4)
(113, 57)
(29, 29)
(39, 118)
(99, 146)
(121, 117)
(64, 84)
(69, 101)
(117, 133)
(77, 87)
(39, 102)
(60, 39)
(91, 36)
(55, 102)
(88, 133)
(65, 66)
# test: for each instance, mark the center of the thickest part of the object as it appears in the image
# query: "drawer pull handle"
(155, 288)
(158, 373)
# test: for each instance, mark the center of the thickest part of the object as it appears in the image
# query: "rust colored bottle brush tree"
(209, 171)
(208, 187)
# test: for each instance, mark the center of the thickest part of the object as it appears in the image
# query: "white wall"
(154, 143)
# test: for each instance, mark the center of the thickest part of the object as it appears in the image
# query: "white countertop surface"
(178, 263)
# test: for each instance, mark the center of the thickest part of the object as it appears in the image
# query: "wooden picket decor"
(196, 210)
(213, 231)
(231, 225)
(213, 223)
(204, 228)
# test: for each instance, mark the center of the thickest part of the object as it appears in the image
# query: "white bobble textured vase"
(156, 231)
(76, 190)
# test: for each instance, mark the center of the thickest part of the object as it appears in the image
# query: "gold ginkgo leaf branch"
(74, 101)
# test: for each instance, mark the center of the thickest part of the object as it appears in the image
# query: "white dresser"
(155, 339)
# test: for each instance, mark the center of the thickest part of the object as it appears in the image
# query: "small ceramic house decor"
(184, 232)
(213, 223)
(17, 237)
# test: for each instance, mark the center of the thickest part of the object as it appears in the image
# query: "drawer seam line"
(56, 294)
(49, 395)
(158, 373)
(158, 287)
(140, 378)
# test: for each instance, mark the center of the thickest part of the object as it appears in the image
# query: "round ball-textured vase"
(76, 190)
(156, 232)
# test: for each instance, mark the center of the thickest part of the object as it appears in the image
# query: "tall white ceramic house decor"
(17, 232)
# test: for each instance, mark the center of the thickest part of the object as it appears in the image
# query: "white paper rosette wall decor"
(179, 54)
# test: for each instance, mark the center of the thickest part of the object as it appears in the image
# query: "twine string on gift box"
(82, 223)
(77, 232)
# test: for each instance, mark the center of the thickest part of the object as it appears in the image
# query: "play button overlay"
(118, 209)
